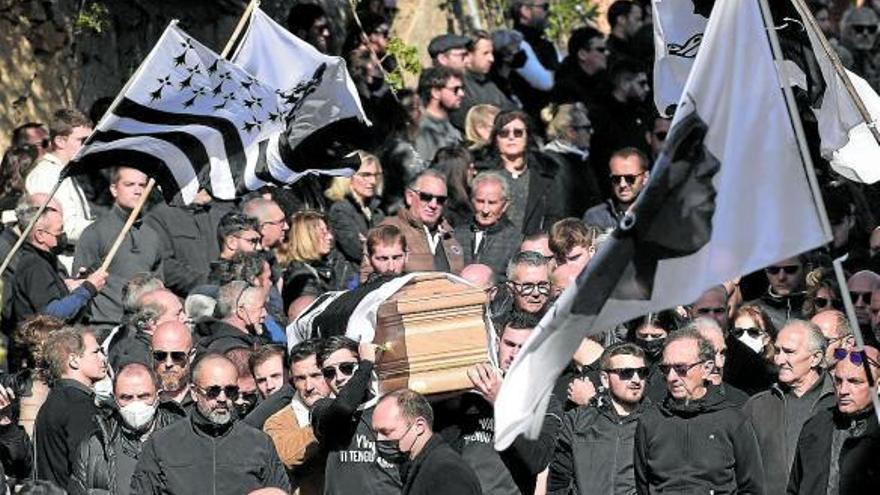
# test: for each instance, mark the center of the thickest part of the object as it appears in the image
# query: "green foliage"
(567, 15)
(94, 17)
(407, 62)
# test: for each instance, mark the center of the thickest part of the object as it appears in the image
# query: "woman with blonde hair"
(569, 131)
(478, 125)
(355, 209)
(311, 265)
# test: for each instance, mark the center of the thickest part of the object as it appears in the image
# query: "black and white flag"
(329, 117)
(189, 119)
(678, 32)
(728, 195)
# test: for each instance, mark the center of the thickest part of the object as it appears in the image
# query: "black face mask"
(61, 244)
(652, 348)
(390, 449)
(519, 60)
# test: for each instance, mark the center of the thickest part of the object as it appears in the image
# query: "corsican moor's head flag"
(329, 118)
(678, 33)
(189, 119)
(728, 195)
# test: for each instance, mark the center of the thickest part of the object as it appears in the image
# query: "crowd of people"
(174, 369)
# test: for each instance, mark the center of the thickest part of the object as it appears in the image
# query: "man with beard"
(172, 351)
(106, 459)
(290, 428)
(343, 425)
(209, 450)
(582, 461)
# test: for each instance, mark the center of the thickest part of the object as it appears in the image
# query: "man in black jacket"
(343, 425)
(838, 448)
(105, 460)
(76, 363)
(803, 389)
(695, 440)
(785, 294)
(404, 422)
(209, 450)
(594, 451)
(489, 238)
(242, 311)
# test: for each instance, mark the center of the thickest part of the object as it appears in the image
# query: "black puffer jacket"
(594, 452)
(94, 467)
(218, 336)
(706, 446)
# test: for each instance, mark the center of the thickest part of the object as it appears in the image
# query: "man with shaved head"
(802, 389)
(172, 351)
(861, 286)
(837, 331)
(106, 459)
(210, 450)
(838, 448)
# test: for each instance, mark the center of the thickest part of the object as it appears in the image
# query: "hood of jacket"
(714, 400)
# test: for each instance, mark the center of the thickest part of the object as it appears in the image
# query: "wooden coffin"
(432, 331)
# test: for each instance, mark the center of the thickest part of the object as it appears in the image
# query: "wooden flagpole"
(814, 183)
(807, 16)
(135, 212)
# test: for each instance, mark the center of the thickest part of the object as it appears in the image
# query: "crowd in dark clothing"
(210, 356)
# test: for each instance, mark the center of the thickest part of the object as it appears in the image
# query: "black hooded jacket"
(218, 336)
(704, 446)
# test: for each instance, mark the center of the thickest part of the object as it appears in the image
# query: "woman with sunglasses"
(753, 327)
(355, 208)
(535, 201)
(311, 265)
(822, 292)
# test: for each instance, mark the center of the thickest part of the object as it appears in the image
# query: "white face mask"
(754, 343)
(137, 414)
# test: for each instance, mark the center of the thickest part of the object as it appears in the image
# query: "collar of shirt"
(433, 238)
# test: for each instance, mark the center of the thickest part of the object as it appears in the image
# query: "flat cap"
(446, 42)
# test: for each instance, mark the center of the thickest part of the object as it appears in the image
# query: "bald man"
(860, 286)
(838, 448)
(837, 331)
(210, 450)
(172, 350)
(480, 275)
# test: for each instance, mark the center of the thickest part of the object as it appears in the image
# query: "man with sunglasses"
(210, 449)
(430, 243)
(802, 389)
(859, 28)
(838, 448)
(695, 440)
(291, 429)
(594, 450)
(172, 350)
(343, 424)
(784, 298)
(861, 287)
(629, 173)
(441, 90)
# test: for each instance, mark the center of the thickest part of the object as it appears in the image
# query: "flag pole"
(794, 116)
(829, 50)
(135, 212)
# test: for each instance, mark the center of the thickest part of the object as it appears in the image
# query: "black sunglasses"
(865, 28)
(753, 332)
(864, 296)
(711, 311)
(628, 178)
(517, 133)
(788, 269)
(428, 197)
(823, 302)
(346, 369)
(680, 369)
(629, 373)
(214, 391)
(178, 357)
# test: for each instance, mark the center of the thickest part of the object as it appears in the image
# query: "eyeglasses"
(629, 373)
(753, 332)
(711, 311)
(277, 223)
(680, 369)
(177, 357)
(857, 358)
(630, 179)
(346, 369)
(788, 269)
(369, 175)
(255, 241)
(529, 288)
(865, 297)
(428, 197)
(506, 133)
(865, 28)
(213, 392)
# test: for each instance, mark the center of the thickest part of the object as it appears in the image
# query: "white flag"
(728, 195)
(327, 105)
(678, 32)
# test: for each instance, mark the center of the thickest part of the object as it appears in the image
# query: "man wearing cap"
(451, 51)
(441, 91)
